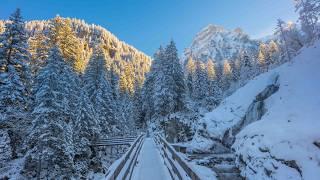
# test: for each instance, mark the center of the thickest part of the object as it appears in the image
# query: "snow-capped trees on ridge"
(71, 47)
(309, 15)
(291, 40)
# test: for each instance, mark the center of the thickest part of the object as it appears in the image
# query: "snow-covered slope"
(217, 43)
(285, 143)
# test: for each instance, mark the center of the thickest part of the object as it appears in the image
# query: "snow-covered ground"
(282, 144)
(230, 111)
(150, 164)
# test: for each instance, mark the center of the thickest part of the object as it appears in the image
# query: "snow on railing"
(174, 162)
(114, 141)
(123, 167)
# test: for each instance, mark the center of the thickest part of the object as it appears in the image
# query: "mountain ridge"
(217, 43)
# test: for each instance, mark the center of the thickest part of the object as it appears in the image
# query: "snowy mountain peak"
(217, 43)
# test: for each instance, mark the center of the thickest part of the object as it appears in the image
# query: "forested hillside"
(65, 84)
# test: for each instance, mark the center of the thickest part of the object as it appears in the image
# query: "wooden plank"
(111, 144)
(99, 142)
(120, 138)
(119, 168)
(133, 161)
(182, 163)
(174, 168)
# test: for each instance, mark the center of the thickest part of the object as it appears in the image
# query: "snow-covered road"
(150, 164)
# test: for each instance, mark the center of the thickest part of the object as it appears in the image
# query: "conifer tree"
(148, 89)
(176, 73)
(201, 88)
(51, 138)
(126, 81)
(99, 90)
(274, 52)
(137, 111)
(123, 84)
(309, 15)
(62, 34)
(290, 38)
(190, 75)
(227, 75)
(39, 49)
(162, 87)
(246, 68)
(15, 76)
(169, 88)
(113, 79)
(263, 57)
(213, 85)
(87, 131)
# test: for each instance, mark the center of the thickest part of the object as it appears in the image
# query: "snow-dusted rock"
(218, 44)
(284, 143)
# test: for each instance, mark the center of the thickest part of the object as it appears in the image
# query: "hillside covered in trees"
(64, 84)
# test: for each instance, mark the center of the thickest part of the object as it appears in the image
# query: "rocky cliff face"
(216, 43)
(254, 113)
(220, 142)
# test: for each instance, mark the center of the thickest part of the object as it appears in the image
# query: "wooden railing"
(125, 167)
(114, 141)
(170, 156)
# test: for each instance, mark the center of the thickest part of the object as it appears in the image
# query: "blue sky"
(146, 24)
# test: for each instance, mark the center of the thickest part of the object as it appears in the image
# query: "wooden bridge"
(115, 141)
(148, 158)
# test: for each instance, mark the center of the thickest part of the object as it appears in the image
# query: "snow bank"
(282, 144)
(229, 112)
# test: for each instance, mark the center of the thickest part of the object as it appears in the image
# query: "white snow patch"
(282, 143)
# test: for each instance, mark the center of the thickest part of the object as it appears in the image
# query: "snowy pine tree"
(99, 91)
(263, 57)
(163, 94)
(290, 38)
(213, 85)
(15, 75)
(51, 136)
(87, 130)
(226, 75)
(190, 74)
(39, 49)
(309, 14)
(137, 110)
(201, 88)
(246, 68)
(62, 34)
(176, 72)
(148, 88)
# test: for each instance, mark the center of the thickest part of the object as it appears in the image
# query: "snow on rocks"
(282, 145)
(215, 42)
(215, 124)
